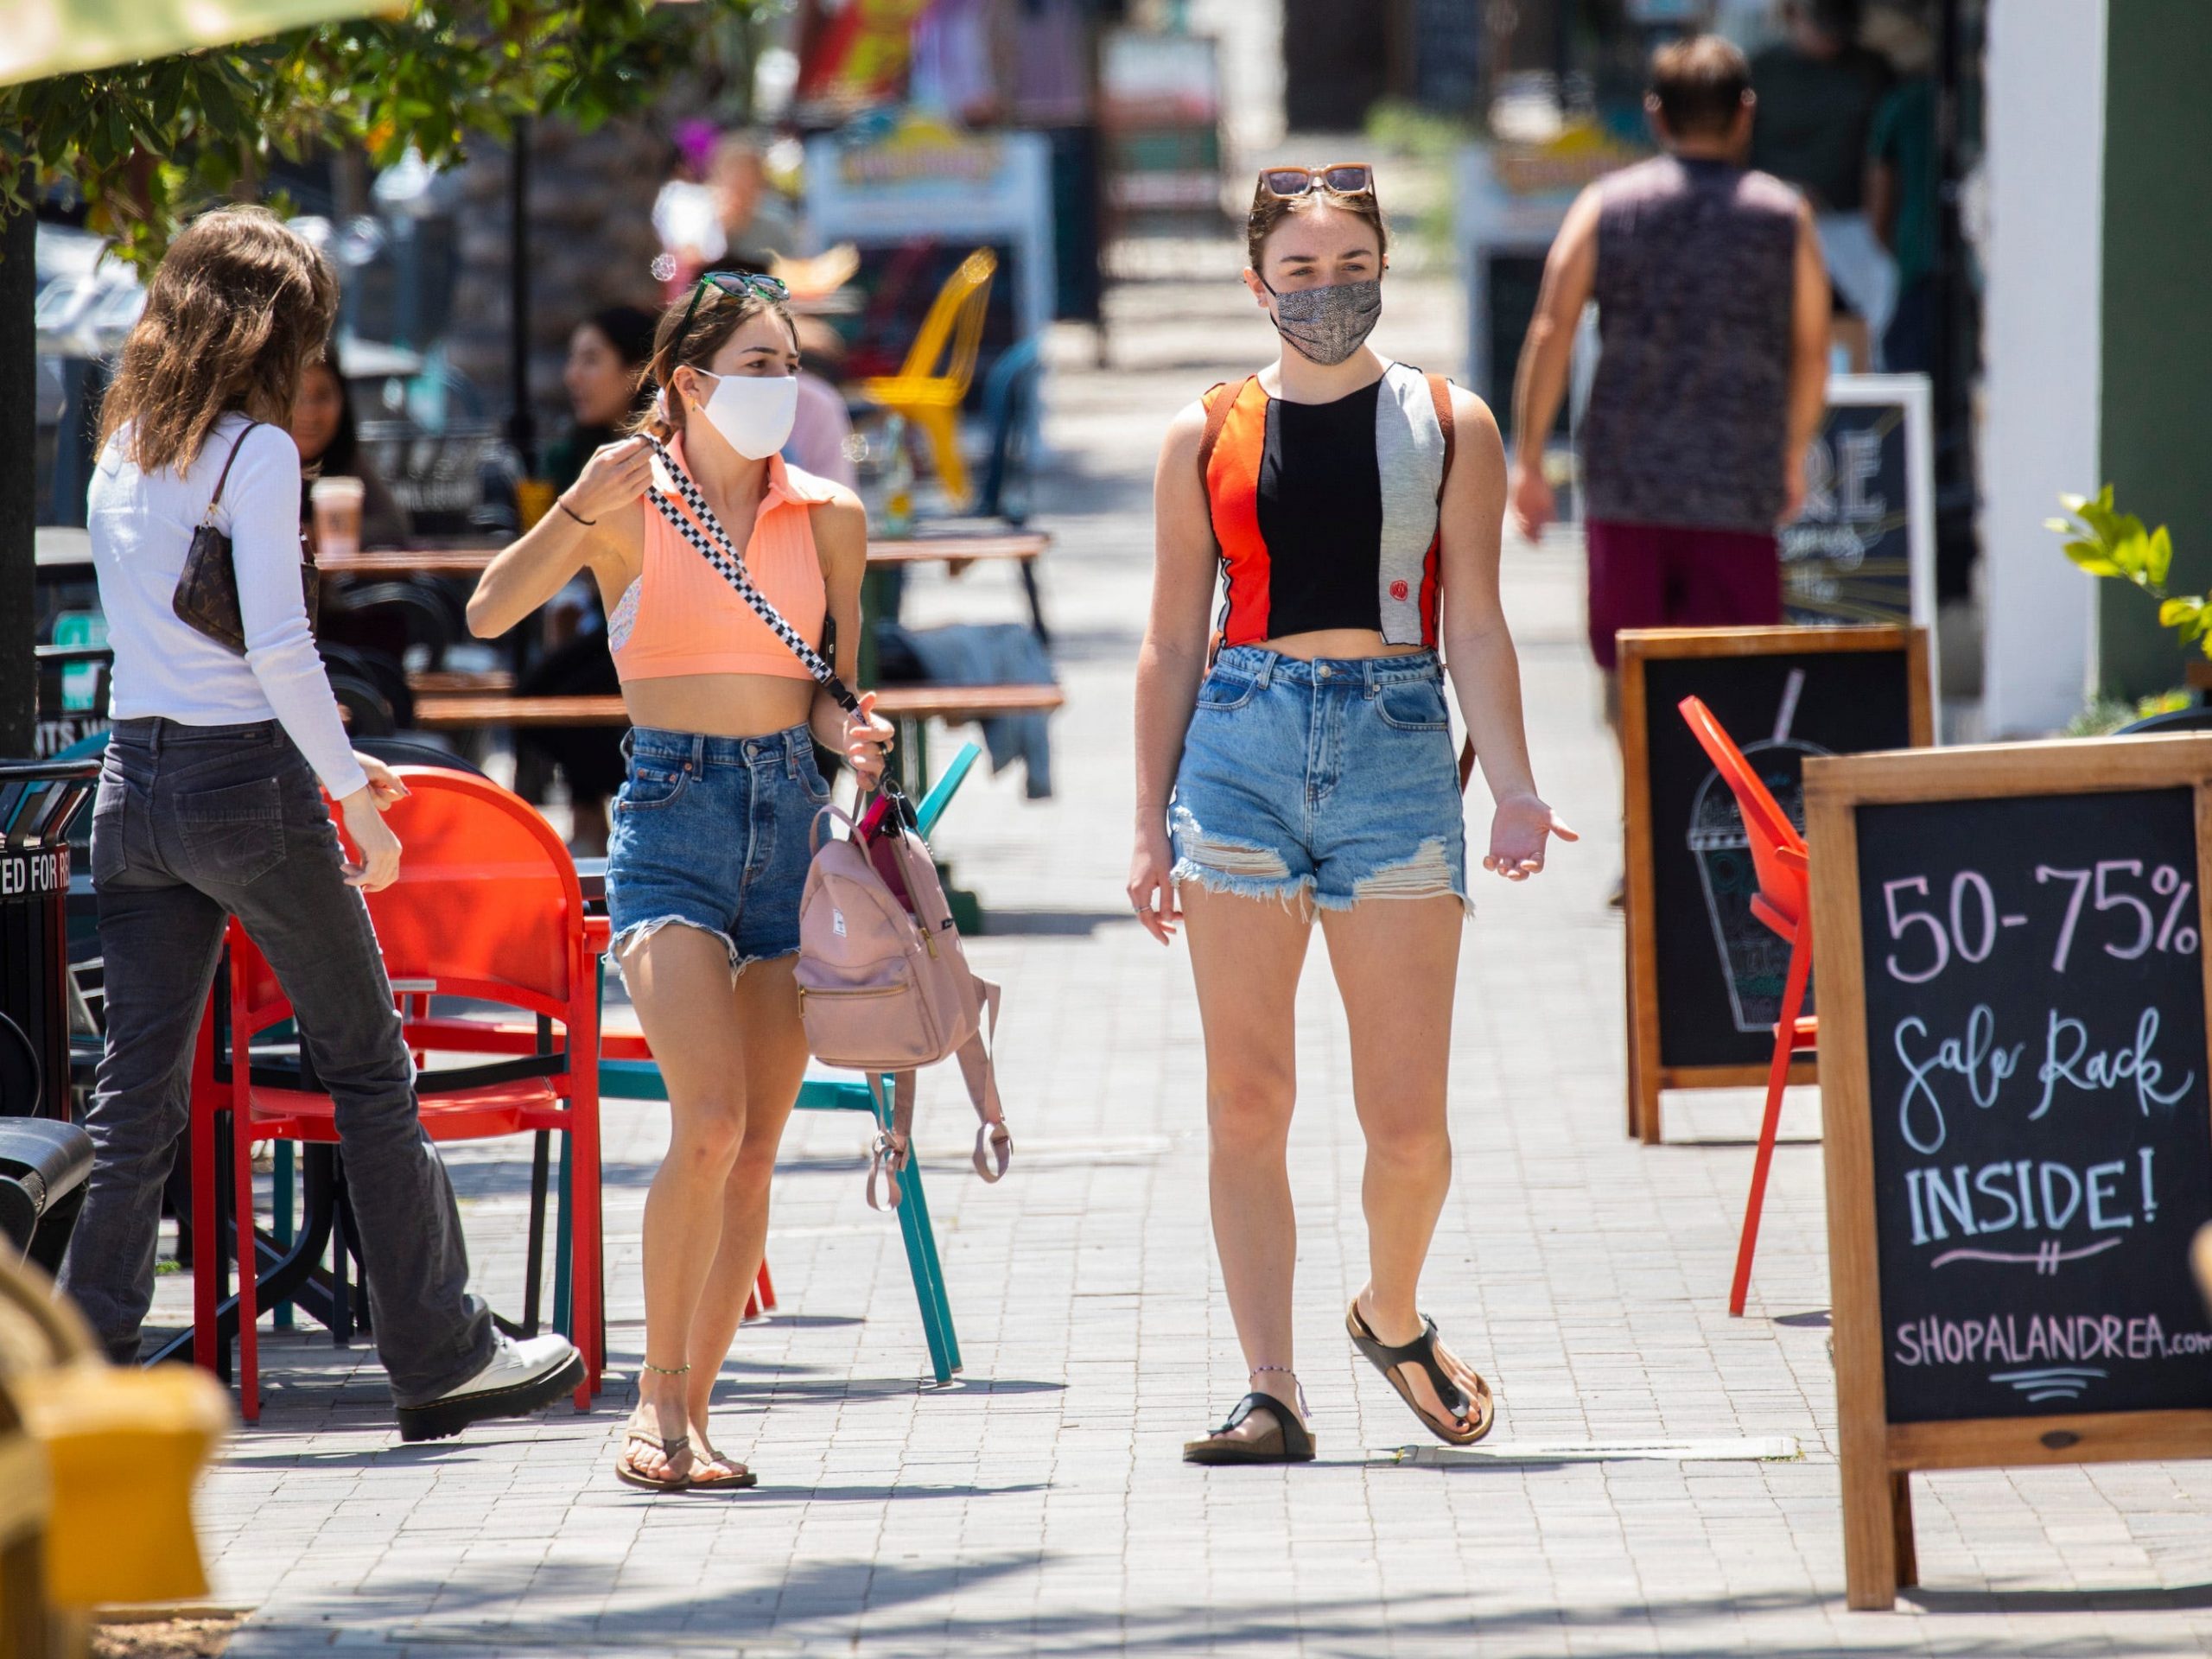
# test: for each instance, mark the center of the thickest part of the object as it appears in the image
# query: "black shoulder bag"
(208, 589)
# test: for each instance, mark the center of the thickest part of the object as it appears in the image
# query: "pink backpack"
(883, 985)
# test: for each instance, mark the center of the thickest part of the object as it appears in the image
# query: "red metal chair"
(1783, 902)
(487, 907)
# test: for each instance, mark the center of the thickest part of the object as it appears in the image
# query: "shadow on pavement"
(880, 1605)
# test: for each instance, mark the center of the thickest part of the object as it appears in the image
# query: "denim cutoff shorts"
(712, 832)
(1325, 782)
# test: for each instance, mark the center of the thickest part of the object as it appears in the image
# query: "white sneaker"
(521, 1377)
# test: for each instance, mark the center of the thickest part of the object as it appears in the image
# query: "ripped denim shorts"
(1322, 783)
(712, 832)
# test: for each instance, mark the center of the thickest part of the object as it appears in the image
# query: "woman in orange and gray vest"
(1308, 769)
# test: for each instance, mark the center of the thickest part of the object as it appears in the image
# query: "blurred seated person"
(606, 355)
(607, 358)
(330, 446)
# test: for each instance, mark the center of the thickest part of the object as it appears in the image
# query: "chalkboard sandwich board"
(1705, 976)
(2014, 1070)
(1862, 549)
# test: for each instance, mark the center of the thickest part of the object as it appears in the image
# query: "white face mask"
(752, 412)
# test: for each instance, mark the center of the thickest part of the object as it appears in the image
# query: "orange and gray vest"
(1326, 514)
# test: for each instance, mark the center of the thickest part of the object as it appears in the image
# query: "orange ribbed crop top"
(681, 616)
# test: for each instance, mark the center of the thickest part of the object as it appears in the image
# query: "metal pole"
(521, 429)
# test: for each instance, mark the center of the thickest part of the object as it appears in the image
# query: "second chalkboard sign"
(1704, 975)
(2015, 1091)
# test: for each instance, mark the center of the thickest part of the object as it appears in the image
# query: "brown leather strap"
(229, 461)
(1217, 407)
(1440, 393)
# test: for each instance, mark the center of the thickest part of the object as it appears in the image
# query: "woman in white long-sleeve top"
(208, 809)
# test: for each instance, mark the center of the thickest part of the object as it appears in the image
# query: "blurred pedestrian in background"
(1818, 91)
(1904, 186)
(685, 214)
(209, 808)
(330, 443)
(1713, 318)
(607, 355)
(757, 222)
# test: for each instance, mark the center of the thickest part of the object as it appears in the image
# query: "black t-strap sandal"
(1470, 1418)
(1289, 1443)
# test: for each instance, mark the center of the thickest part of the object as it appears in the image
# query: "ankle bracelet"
(1304, 1410)
(665, 1370)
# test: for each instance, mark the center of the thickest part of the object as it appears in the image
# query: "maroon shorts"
(1678, 576)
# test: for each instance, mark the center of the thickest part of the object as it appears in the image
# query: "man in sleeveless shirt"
(1713, 324)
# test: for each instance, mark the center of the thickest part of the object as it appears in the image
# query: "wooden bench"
(910, 706)
(460, 682)
(958, 551)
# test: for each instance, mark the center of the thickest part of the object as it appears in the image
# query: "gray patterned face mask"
(1328, 324)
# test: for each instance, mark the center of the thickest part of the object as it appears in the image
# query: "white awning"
(57, 37)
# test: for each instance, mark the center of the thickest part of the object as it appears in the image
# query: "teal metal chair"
(635, 1079)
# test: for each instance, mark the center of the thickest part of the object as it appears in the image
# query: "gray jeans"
(194, 824)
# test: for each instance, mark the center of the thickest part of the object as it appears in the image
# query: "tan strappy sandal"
(739, 1478)
(627, 1471)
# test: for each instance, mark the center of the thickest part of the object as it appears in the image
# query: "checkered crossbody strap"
(715, 546)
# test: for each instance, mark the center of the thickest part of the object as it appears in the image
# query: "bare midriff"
(1337, 642)
(720, 705)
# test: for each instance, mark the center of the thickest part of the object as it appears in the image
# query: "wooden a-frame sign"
(2009, 944)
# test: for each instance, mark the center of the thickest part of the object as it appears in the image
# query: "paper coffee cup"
(337, 504)
(533, 499)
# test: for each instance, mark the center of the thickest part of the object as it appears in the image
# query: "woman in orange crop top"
(1306, 767)
(708, 850)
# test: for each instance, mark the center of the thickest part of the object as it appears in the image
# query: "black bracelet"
(561, 502)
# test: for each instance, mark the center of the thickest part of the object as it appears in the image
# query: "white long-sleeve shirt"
(141, 524)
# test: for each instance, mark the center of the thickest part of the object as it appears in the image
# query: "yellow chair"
(929, 398)
(122, 1448)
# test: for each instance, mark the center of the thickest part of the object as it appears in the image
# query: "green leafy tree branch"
(146, 144)
(2108, 542)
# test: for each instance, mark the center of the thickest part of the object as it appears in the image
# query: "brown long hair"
(241, 303)
(718, 316)
(1269, 210)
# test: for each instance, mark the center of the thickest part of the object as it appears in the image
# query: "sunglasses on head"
(732, 283)
(1339, 178)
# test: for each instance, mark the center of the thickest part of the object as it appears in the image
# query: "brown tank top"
(1689, 412)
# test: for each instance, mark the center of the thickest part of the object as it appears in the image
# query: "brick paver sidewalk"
(1039, 1504)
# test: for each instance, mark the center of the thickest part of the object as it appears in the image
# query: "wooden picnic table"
(959, 551)
(899, 702)
(910, 706)
(956, 550)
